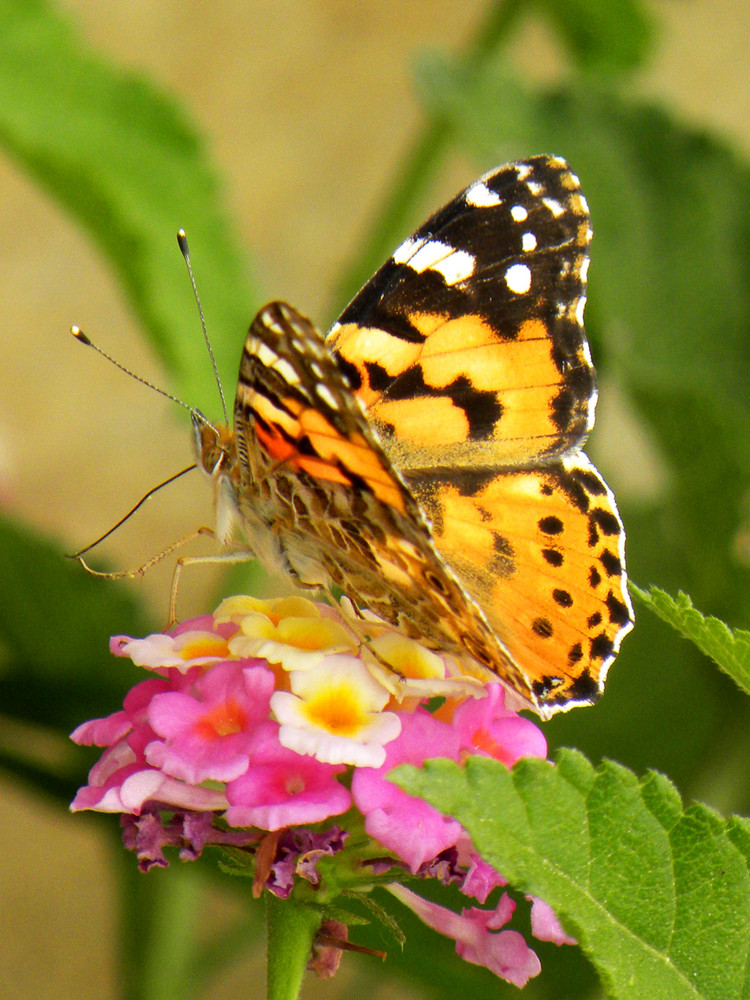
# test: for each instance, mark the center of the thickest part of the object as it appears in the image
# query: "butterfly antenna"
(83, 339)
(185, 251)
(155, 489)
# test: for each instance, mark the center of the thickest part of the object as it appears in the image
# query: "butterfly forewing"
(468, 345)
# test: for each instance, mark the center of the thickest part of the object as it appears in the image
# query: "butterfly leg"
(130, 574)
(237, 556)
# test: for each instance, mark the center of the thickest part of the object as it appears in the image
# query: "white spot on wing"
(429, 255)
(580, 305)
(518, 278)
(554, 206)
(286, 370)
(272, 323)
(480, 196)
(432, 255)
(528, 242)
(265, 355)
(585, 349)
(404, 253)
(457, 267)
(324, 393)
(519, 213)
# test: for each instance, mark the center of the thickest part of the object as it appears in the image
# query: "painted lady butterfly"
(425, 457)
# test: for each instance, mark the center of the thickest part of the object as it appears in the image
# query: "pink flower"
(544, 923)
(123, 780)
(410, 827)
(505, 953)
(194, 643)
(481, 878)
(259, 719)
(207, 733)
(283, 788)
(487, 727)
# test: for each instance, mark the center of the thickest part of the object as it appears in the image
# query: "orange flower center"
(222, 720)
(336, 710)
(205, 647)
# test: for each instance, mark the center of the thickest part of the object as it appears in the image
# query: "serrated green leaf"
(728, 648)
(127, 163)
(658, 896)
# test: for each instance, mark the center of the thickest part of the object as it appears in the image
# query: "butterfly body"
(425, 457)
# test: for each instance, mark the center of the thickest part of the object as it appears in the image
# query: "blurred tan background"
(308, 110)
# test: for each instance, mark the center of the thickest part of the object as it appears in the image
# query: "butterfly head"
(214, 446)
(217, 457)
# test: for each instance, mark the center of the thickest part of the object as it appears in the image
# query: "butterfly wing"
(467, 347)
(541, 551)
(468, 352)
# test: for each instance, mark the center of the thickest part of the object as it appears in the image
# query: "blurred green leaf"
(126, 162)
(729, 648)
(55, 623)
(658, 897)
(602, 37)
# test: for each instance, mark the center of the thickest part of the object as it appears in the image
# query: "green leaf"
(57, 671)
(728, 648)
(602, 37)
(125, 160)
(658, 896)
(55, 623)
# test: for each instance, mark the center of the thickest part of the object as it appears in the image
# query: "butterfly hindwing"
(541, 552)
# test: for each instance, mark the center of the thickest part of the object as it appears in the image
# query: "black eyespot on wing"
(551, 525)
(563, 598)
(543, 628)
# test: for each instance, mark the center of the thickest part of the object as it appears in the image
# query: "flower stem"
(290, 929)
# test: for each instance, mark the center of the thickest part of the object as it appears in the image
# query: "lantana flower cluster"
(268, 727)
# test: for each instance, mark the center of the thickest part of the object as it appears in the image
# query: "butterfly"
(425, 456)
